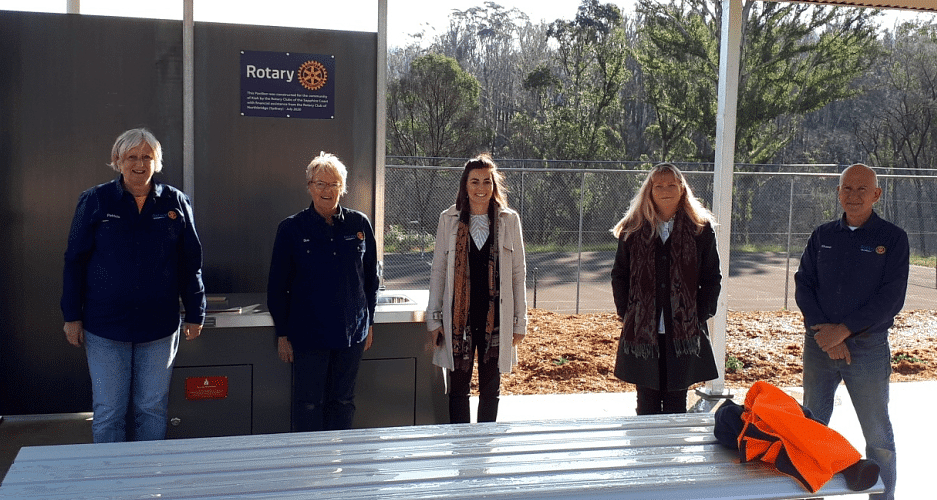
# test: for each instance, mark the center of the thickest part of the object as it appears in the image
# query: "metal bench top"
(667, 457)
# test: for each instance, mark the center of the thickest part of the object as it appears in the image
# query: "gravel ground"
(575, 353)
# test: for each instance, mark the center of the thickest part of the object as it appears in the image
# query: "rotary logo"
(172, 214)
(880, 250)
(312, 75)
(360, 236)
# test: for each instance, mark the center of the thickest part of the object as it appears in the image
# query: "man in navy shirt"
(851, 283)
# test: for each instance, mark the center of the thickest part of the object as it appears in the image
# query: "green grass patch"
(897, 358)
(733, 364)
(560, 361)
(557, 247)
(758, 248)
(918, 260)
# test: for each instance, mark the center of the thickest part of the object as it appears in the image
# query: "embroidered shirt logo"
(172, 214)
(880, 250)
(113, 216)
(360, 236)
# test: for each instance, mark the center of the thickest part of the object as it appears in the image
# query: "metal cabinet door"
(385, 393)
(194, 412)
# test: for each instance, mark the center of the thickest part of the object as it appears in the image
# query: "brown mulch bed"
(575, 353)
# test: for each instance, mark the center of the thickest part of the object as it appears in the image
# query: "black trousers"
(489, 386)
(660, 401)
(324, 388)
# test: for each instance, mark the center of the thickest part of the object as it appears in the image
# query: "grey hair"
(330, 163)
(874, 175)
(131, 139)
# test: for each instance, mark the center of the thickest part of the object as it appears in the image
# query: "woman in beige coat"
(477, 294)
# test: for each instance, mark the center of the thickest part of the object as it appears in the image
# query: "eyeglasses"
(319, 185)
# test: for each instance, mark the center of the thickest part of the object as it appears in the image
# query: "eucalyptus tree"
(579, 88)
(485, 40)
(433, 110)
(432, 113)
(568, 114)
(899, 130)
(795, 59)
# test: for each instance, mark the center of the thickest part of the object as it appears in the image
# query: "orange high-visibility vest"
(776, 431)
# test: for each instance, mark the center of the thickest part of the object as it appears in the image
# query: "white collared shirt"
(664, 228)
(479, 227)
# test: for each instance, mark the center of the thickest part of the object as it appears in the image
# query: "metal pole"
(523, 178)
(188, 100)
(535, 288)
(73, 7)
(380, 128)
(729, 63)
(582, 202)
(787, 261)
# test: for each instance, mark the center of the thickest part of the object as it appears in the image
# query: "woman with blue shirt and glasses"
(665, 281)
(132, 253)
(477, 291)
(322, 292)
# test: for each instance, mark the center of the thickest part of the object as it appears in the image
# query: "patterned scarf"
(462, 348)
(639, 333)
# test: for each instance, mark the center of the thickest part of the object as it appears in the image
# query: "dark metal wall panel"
(69, 86)
(250, 170)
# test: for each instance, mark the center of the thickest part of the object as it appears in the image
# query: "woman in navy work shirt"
(132, 253)
(321, 293)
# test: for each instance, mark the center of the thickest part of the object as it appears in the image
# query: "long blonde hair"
(642, 210)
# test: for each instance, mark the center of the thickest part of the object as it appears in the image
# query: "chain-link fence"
(567, 209)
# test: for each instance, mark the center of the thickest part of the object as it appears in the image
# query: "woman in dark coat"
(665, 282)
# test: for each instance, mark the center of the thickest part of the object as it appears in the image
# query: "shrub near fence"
(567, 209)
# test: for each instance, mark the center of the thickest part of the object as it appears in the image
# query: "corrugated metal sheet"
(922, 5)
(667, 456)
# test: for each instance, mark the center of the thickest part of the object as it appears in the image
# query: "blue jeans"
(130, 383)
(867, 381)
(324, 388)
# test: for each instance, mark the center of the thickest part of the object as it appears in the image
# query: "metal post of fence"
(422, 242)
(787, 260)
(535, 288)
(523, 172)
(417, 227)
(582, 202)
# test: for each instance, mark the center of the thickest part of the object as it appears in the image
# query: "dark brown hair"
(498, 189)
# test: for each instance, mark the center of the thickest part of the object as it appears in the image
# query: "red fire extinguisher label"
(206, 388)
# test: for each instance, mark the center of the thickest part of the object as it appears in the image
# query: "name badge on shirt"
(172, 215)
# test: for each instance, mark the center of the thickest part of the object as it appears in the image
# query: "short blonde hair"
(131, 139)
(329, 163)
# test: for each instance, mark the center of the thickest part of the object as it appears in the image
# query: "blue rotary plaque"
(287, 85)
